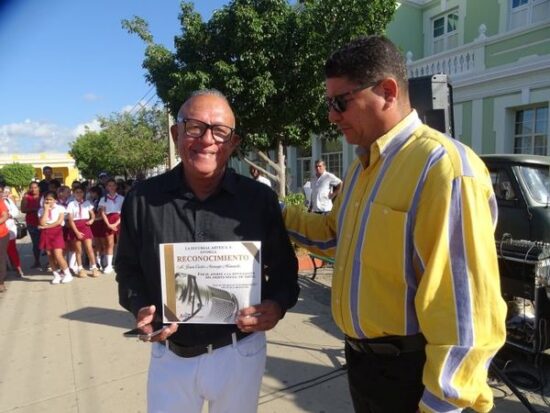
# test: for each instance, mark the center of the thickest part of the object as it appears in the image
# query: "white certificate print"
(209, 282)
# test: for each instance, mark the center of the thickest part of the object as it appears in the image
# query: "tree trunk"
(282, 170)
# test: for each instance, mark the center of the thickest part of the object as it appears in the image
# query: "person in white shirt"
(110, 206)
(13, 212)
(258, 177)
(51, 217)
(80, 217)
(324, 188)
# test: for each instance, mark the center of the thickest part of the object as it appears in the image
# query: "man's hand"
(145, 316)
(259, 317)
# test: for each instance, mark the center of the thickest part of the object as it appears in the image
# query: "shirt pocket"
(385, 240)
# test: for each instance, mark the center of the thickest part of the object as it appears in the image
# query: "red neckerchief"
(80, 208)
(112, 198)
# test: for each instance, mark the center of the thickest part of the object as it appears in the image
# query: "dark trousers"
(34, 233)
(385, 383)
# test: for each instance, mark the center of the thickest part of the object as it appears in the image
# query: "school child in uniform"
(63, 199)
(98, 226)
(80, 217)
(110, 206)
(51, 217)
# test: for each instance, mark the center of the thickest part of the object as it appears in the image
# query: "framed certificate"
(209, 282)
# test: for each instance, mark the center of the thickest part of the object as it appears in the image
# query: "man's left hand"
(259, 317)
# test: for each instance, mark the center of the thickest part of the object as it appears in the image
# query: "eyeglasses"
(339, 102)
(196, 129)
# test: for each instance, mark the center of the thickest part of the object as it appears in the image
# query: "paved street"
(62, 350)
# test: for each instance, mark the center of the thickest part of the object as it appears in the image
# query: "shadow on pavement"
(305, 383)
(104, 316)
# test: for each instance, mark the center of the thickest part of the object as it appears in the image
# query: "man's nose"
(207, 137)
(333, 115)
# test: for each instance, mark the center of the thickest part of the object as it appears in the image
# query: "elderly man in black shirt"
(202, 200)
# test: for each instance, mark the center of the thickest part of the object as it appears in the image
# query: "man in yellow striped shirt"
(416, 286)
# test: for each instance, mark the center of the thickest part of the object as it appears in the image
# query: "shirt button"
(386, 211)
(357, 205)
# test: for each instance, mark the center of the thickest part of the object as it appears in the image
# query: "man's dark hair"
(55, 182)
(368, 59)
(47, 167)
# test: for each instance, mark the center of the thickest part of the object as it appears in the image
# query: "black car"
(522, 188)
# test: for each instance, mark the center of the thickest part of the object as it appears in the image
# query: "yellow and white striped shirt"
(412, 233)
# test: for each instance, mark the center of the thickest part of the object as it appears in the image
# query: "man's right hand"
(145, 316)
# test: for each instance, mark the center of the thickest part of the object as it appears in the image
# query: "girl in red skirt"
(80, 217)
(109, 207)
(51, 218)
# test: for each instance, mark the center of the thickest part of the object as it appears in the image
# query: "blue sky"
(63, 62)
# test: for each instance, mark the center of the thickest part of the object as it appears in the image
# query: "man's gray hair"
(208, 92)
(201, 92)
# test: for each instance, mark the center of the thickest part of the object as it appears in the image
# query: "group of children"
(77, 226)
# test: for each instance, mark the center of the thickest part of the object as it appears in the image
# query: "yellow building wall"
(66, 175)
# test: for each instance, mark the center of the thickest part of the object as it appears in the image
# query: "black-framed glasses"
(340, 102)
(196, 129)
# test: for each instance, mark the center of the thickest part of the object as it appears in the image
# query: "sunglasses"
(340, 102)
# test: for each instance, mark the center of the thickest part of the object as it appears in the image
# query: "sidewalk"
(62, 350)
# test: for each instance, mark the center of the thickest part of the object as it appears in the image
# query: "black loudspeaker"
(432, 97)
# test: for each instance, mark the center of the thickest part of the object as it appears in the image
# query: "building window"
(331, 153)
(531, 131)
(303, 172)
(524, 12)
(445, 32)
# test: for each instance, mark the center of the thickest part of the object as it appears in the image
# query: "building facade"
(63, 165)
(496, 54)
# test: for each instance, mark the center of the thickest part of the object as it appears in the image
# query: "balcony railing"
(457, 62)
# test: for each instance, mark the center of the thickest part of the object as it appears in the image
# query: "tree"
(139, 140)
(127, 144)
(267, 56)
(17, 175)
(93, 153)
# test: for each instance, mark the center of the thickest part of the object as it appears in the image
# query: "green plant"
(297, 199)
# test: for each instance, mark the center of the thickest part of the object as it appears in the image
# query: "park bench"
(324, 260)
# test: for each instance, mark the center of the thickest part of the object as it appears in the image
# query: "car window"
(502, 185)
(537, 182)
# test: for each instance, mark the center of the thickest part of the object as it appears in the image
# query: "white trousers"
(229, 378)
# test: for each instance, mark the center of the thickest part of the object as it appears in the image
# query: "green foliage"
(267, 56)
(17, 175)
(126, 145)
(297, 199)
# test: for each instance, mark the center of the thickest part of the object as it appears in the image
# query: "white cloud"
(32, 136)
(90, 97)
(92, 126)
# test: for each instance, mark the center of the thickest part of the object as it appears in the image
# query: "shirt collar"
(176, 180)
(391, 139)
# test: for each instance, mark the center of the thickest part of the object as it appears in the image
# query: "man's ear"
(390, 88)
(174, 133)
(235, 140)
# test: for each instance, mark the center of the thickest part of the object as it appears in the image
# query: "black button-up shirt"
(163, 209)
